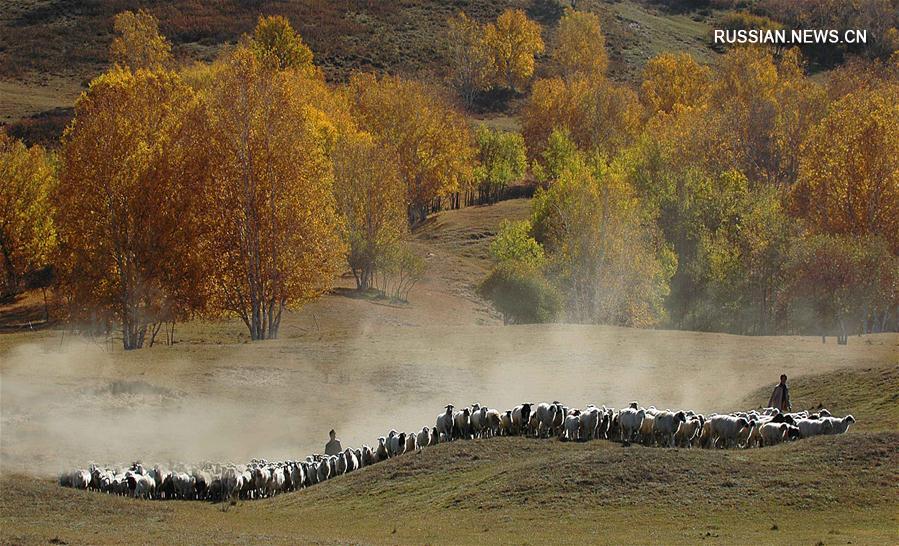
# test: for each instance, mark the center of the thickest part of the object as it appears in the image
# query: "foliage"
(513, 242)
(126, 205)
(399, 269)
(276, 230)
(468, 57)
(581, 46)
(674, 80)
(430, 140)
(521, 293)
(138, 43)
(502, 159)
(370, 195)
(512, 42)
(598, 115)
(27, 234)
(275, 41)
(604, 259)
(849, 168)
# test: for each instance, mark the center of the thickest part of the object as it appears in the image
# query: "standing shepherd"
(780, 398)
(333, 446)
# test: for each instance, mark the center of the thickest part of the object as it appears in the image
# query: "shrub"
(521, 294)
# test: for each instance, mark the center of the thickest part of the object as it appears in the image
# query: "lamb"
(571, 428)
(665, 424)
(630, 420)
(445, 423)
(521, 414)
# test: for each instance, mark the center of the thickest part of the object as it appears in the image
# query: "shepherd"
(333, 446)
(780, 398)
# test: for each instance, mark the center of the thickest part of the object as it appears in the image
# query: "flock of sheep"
(649, 426)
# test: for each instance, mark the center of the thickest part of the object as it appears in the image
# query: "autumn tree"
(371, 197)
(604, 258)
(673, 80)
(469, 63)
(598, 115)
(502, 160)
(430, 140)
(849, 168)
(512, 42)
(275, 42)
(27, 234)
(138, 43)
(126, 204)
(581, 46)
(275, 230)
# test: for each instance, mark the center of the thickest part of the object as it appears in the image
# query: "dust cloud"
(66, 405)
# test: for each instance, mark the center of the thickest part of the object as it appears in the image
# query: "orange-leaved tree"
(126, 203)
(138, 43)
(275, 231)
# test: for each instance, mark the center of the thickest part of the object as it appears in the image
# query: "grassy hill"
(49, 49)
(825, 490)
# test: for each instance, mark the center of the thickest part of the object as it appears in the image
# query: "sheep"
(381, 453)
(478, 420)
(521, 414)
(839, 426)
(630, 420)
(368, 456)
(505, 423)
(81, 479)
(424, 437)
(814, 427)
(726, 429)
(646, 437)
(392, 441)
(341, 463)
(687, 432)
(445, 423)
(772, 433)
(462, 424)
(589, 421)
(665, 424)
(571, 428)
(400, 445)
(546, 415)
(435, 437)
(410, 443)
(492, 422)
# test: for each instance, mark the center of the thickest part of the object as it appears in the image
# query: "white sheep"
(726, 429)
(521, 415)
(838, 426)
(424, 437)
(665, 424)
(445, 423)
(814, 427)
(630, 420)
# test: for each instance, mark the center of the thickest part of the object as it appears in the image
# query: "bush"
(521, 294)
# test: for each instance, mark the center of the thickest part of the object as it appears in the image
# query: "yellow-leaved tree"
(849, 168)
(431, 141)
(127, 203)
(138, 43)
(598, 115)
(581, 46)
(512, 42)
(674, 80)
(468, 57)
(275, 233)
(371, 197)
(27, 235)
(278, 44)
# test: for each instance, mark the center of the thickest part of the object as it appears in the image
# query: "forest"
(750, 195)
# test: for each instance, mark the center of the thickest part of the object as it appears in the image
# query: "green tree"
(502, 161)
